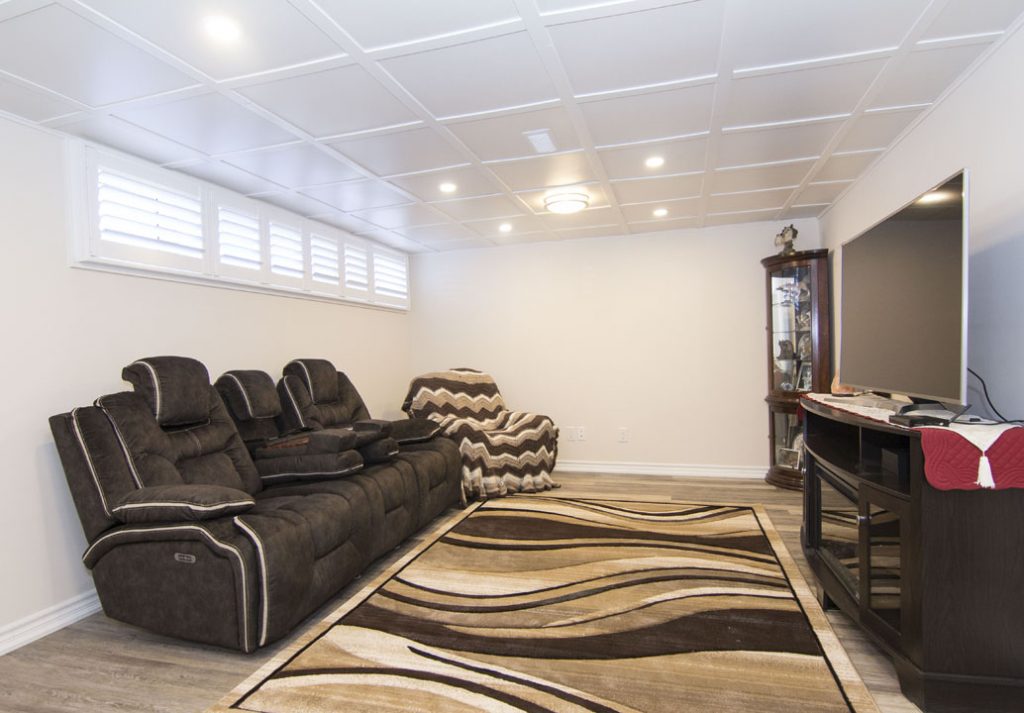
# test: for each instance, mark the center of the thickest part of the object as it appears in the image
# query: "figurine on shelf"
(785, 350)
(803, 320)
(803, 347)
(785, 240)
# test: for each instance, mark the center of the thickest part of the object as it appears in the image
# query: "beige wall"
(67, 333)
(976, 127)
(662, 334)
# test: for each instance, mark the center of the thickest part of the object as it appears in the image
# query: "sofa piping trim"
(221, 545)
(191, 506)
(309, 379)
(245, 395)
(121, 441)
(88, 460)
(319, 474)
(295, 404)
(264, 590)
(156, 384)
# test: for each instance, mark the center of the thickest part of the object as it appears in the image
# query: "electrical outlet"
(623, 435)
(581, 434)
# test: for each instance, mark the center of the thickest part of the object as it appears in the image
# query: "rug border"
(851, 683)
(224, 705)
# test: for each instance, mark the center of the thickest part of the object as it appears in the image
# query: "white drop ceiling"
(353, 112)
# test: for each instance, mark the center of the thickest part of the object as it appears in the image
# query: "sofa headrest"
(250, 393)
(177, 389)
(319, 377)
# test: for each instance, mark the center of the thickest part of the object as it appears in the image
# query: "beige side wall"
(978, 128)
(662, 334)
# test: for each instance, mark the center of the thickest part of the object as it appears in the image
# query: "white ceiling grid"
(354, 112)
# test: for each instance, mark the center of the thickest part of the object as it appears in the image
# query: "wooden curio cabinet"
(798, 353)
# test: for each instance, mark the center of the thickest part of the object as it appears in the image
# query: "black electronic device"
(912, 420)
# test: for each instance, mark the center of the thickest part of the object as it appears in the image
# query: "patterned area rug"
(547, 604)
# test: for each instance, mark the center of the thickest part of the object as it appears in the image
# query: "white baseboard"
(624, 468)
(36, 626)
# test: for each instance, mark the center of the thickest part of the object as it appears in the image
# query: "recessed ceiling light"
(221, 28)
(448, 187)
(505, 227)
(566, 201)
(659, 212)
(541, 140)
(654, 162)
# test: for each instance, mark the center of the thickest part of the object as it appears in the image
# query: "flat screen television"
(903, 319)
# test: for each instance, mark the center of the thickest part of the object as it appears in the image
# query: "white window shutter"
(286, 258)
(324, 260)
(357, 269)
(238, 235)
(390, 278)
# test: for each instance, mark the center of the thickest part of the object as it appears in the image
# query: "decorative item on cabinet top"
(797, 295)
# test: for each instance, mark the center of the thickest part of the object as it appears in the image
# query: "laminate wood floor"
(102, 665)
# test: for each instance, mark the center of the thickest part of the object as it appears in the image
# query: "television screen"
(904, 300)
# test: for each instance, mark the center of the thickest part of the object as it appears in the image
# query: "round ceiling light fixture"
(654, 162)
(505, 227)
(565, 202)
(448, 187)
(659, 212)
(222, 28)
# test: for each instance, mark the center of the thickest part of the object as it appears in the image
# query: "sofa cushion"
(308, 443)
(176, 389)
(318, 376)
(414, 430)
(249, 393)
(179, 503)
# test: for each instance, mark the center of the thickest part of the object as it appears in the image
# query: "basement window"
(142, 219)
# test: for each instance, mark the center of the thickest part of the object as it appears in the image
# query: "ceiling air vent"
(541, 140)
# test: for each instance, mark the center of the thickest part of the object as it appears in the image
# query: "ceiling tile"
(751, 178)
(504, 136)
(432, 234)
(469, 181)
(660, 225)
(273, 33)
(601, 231)
(402, 216)
(294, 166)
(404, 152)
(821, 193)
(876, 130)
(321, 103)
(752, 200)
(807, 93)
(923, 75)
(474, 244)
(590, 218)
(843, 167)
(969, 17)
(778, 33)
(399, 242)
(665, 188)
(521, 225)
(484, 208)
(524, 238)
(649, 116)
(680, 157)
(30, 103)
(737, 148)
(126, 137)
(229, 177)
(754, 216)
(348, 223)
(678, 209)
(544, 171)
(390, 22)
(649, 47)
(357, 195)
(803, 211)
(535, 199)
(476, 76)
(66, 53)
(295, 203)
(209, 122)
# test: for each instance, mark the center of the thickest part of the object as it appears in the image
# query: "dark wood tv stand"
(935, 577)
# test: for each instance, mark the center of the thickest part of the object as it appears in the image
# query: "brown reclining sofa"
(197, 533)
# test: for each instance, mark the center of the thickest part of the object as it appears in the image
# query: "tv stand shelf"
(935, 577)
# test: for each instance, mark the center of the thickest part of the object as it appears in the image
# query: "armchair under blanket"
(503, 451)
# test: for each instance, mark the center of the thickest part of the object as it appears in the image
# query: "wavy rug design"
(550, 604)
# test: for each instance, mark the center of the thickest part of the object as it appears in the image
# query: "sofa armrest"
(316, 466)
(180, 503)
(414, 430)
(373, 425)
(307, 443)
